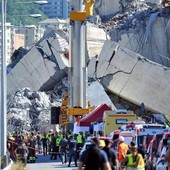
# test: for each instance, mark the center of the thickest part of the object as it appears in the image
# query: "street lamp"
(30, 15)
(35, 15)
(40, 2)
(3, 95)
(33, 2)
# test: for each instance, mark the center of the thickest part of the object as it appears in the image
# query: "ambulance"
(143, 134)
(113, 120)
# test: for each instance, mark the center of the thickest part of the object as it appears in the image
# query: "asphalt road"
(44, 163)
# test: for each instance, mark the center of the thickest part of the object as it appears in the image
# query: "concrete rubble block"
(45, 47)
(53, 80)
(98, 96)
(28, 110)
(91, 67)
(31, 71)
(58, 45)
(37, 66)
(95, 40)
(135, 78)
(110, 53)
(107, 7)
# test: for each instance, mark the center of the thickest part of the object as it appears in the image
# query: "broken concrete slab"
(45, 64)
(32, 71)
(133, 77)
(97, 95)
(144, 31)
(95, 39)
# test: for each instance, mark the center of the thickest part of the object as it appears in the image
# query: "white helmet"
(121, 138)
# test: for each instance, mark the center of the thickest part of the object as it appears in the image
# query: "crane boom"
(78, 105)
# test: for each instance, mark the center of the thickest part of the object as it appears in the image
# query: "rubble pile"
(142, 29)
(28, 110)
(128, 19)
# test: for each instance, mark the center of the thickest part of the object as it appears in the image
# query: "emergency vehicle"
(113, 120)
(163, 145)
(160, 146)
(126, 131)
(143, 134)
(152, 151)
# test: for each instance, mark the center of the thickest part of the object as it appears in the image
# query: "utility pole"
(3, 94)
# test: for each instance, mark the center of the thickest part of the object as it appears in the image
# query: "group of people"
(66, 146)
(101, 156)
(62, 145)
(20, 148)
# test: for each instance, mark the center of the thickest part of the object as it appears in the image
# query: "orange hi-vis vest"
(122, 150)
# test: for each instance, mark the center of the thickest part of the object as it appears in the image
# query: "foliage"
(18, 12)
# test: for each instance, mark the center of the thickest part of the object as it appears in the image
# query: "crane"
(77, 105)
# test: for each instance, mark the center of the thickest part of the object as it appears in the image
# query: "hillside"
(18, 12)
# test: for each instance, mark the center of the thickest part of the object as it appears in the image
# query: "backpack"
(93, 159)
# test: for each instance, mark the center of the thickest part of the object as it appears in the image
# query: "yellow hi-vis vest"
(58, 141)
(79, 139)
(49, 137)
(131, 162)
(61, 136)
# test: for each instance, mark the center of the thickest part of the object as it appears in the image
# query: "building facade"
(54, 23)
(32, 34)
(18, 40)
(8, 42)
(19, 36)
(57, 9)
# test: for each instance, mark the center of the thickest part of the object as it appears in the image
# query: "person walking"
(133, 161)
(72, 144)
(49, 142)
(53, 147)
(44, 141)
(80, 140)
(122, 149)
(63, 149)
(31, 149)
(94, 158)
(39, 142)
(111, 154)
(58, 139)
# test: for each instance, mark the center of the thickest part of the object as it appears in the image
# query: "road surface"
(44, 163)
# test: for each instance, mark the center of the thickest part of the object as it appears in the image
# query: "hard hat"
(121, 138)
(101, 143)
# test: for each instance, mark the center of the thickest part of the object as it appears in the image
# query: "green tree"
(18, 12)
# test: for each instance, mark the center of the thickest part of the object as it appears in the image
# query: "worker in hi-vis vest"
(133, 160)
